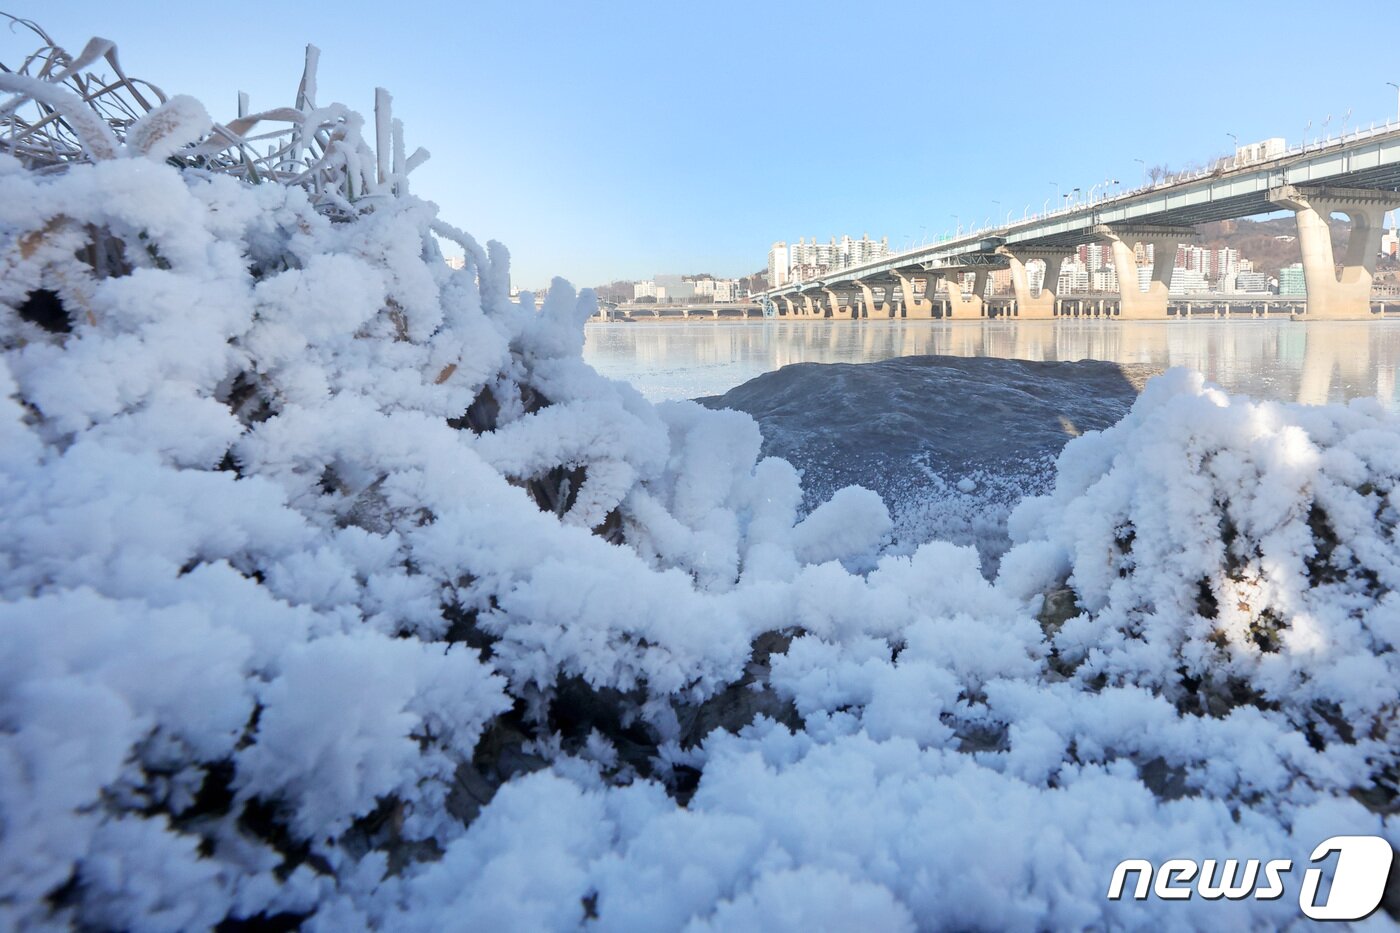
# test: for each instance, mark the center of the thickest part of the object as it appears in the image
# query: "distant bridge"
(716, 311)
(1357, 175)
(1073, 305)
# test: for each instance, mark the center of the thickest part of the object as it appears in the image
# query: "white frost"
(336, 585)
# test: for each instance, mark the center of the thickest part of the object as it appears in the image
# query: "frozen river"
(1312, 362)
(952, 444)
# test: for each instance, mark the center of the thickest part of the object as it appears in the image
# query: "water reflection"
(1309, 362)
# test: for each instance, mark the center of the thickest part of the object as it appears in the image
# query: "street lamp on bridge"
(1144, 171)
(1105, 183)
(1397, 99)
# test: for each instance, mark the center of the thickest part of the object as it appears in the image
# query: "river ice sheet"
(1266, 359)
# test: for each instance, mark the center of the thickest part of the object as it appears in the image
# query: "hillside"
(1270, 244)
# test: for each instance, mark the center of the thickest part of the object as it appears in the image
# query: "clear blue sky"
(602, 141)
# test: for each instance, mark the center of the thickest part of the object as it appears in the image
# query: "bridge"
(719, 311)
(1356, 175)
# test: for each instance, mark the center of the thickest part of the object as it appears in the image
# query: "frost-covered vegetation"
(336, 588)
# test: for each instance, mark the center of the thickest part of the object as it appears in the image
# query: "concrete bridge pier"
(851, 303)
(874, 312)
(890, 303)
(838, 310)
(787, 303)
(1346, 296)
(952, 281)
(1041, 305)
(977, 301)
(961, 303)
(1132, 301)
(913, 307)
(811, 308)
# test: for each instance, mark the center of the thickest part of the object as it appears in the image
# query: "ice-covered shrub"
(334, 587)
(1239, 559)
(294, 512)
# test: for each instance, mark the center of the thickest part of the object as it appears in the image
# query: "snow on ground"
(336, 587)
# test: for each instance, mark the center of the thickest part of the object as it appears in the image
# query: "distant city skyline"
(803, 260)
(581, 138)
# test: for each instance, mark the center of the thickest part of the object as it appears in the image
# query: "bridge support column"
(913, 307)
(1132, 301)
(811, 308)
(787, 303)
(1346, 296)
(956, 297)
(1043, 305)
(838, 310)
(977, 303)
(952, 282)
(874, 312)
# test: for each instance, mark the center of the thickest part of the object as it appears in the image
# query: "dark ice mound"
(950, 443)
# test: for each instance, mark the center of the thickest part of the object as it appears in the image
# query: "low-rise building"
(1188, 282)
(1290, 281)
(1247, 283)
(675, 288)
